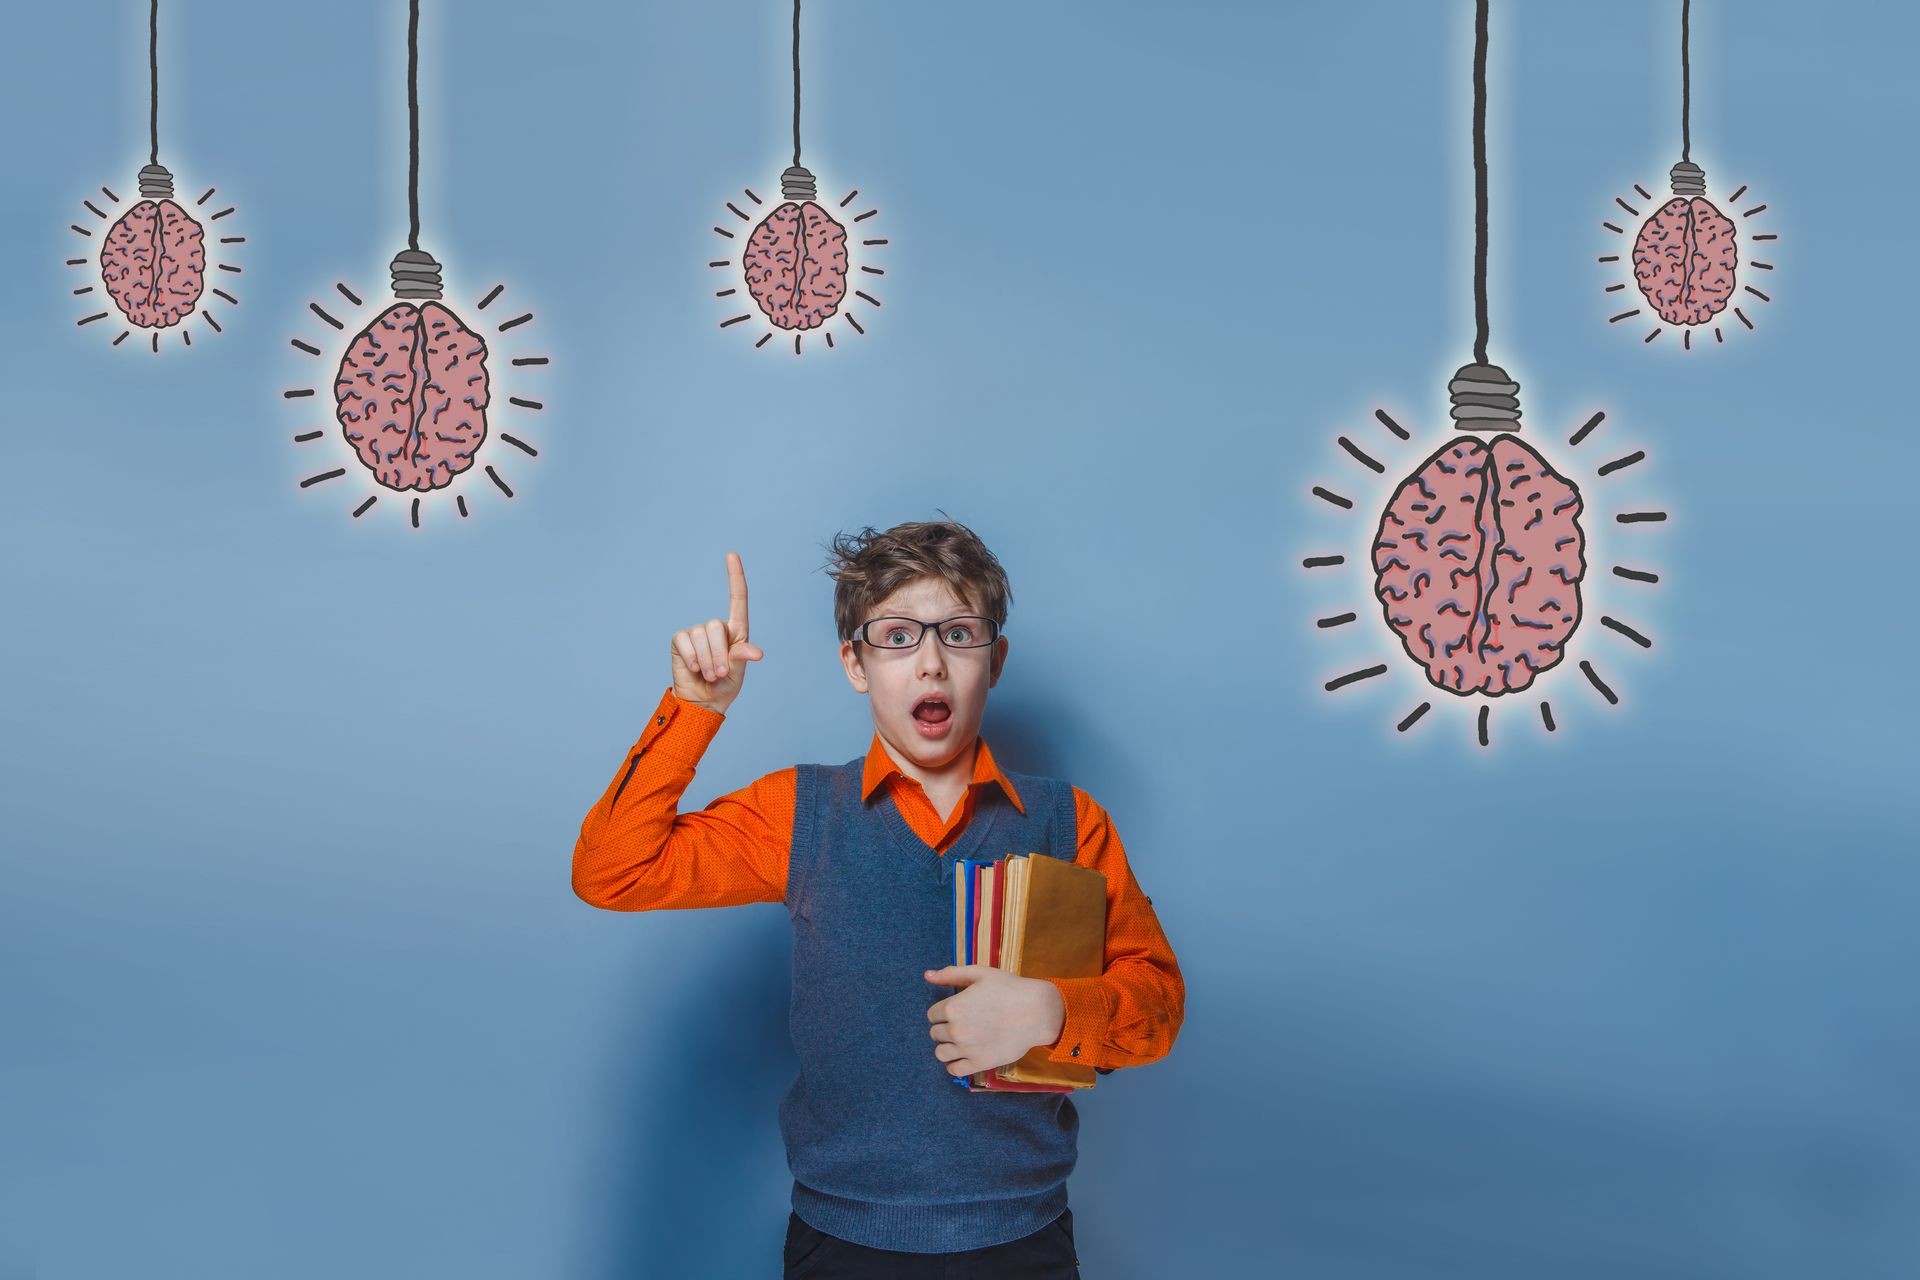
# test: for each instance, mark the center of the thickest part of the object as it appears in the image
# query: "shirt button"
(659, 719)
(1075, 1053)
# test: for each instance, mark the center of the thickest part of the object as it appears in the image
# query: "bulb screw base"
(156, 182)
(797, 183)
(1484, 398)
(1689, 179)
(416, 275)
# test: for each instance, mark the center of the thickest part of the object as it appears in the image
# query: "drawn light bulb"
(1478, 562)
(413, 395)
(796, 259)
(153, 260)
(1686, 255)
(799, 261)
(1479, 554)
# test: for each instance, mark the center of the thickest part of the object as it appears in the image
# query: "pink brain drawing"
(796, 265)
(1478, 564)
(154, 263)
(411, 396)
(1684, 260)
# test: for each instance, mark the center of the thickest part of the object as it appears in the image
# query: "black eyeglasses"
(905, 633)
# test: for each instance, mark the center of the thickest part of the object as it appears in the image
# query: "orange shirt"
(637, 852)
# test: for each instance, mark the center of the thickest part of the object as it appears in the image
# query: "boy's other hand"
(709, 659)
(993, 1019)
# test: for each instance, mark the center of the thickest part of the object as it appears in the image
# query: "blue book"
(966, 880)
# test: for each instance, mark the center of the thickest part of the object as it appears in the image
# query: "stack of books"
(1039, 917)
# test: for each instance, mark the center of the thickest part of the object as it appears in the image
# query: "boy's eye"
(960, 634)
(897, 638)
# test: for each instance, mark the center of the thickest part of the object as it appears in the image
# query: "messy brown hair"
(868, 566)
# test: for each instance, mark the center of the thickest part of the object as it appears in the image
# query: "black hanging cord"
(1480, 181)
(153, 72)
(413, 123)
(1686, 88)
(796, 83)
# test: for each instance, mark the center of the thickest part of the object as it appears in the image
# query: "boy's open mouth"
(932, 709)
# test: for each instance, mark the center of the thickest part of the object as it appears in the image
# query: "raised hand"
(709, 660)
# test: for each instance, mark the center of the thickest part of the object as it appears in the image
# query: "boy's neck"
(946, 786)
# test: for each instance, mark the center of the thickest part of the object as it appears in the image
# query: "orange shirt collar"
(880, 766)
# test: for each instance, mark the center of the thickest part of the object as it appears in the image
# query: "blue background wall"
(292, 983)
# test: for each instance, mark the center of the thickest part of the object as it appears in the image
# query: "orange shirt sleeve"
(1131, 1013)
(637, 852)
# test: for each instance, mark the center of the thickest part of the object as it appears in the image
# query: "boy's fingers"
(736, 596)
(957, 975)
(717, 645)
(683, 651)
(703, 659)
(940, 1032)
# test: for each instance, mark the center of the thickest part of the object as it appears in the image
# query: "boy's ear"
(999, 661)
(850, 659)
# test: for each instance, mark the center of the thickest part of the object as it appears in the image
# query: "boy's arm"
(1130, 1014)
(636, 852)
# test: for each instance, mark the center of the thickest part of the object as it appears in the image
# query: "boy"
(895, 1167)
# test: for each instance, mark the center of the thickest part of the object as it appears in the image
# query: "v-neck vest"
(885, 1148)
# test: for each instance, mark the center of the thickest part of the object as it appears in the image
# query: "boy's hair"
(868, 566)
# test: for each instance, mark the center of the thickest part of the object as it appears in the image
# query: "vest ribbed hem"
(949, 1227)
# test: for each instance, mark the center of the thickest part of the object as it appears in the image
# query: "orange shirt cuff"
(679, 731)
(1085, 1028)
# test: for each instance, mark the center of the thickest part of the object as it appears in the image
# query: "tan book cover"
(1016, 902)
(1060, 931)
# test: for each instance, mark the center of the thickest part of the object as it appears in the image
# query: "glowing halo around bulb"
(1685, 263)
(416, 395)
(1481, 561)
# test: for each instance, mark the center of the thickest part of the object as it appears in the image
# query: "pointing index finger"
(736, 597)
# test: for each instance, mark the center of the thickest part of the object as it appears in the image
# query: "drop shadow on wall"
(700, 1182)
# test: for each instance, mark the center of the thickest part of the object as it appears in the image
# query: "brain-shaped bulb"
(1685, 254)
(411, 395)
(154, 261)
(1479, 556)
(796, 259)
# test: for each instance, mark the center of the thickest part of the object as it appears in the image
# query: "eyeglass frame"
(860, 634)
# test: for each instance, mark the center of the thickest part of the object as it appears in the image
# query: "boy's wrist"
(715, 709)
(1051, 1019)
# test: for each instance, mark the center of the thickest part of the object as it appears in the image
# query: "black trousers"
(1047, 1254)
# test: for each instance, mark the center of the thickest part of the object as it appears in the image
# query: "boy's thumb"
(745, 652)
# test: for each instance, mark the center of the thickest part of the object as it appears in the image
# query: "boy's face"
(901, 682)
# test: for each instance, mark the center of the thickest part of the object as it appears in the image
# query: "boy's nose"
(932, 655)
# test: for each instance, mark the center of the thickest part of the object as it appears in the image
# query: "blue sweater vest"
(886, 1150)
